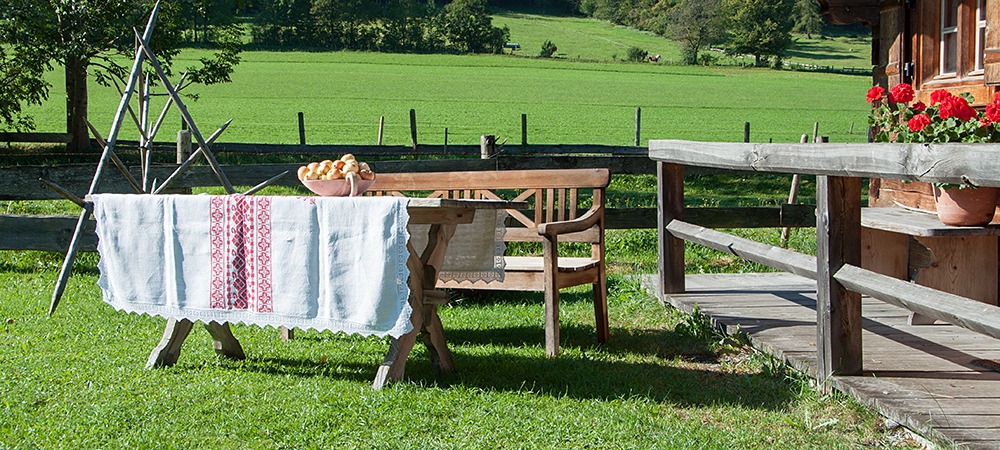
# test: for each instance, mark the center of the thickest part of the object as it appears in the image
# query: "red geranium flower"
(875, 94)
(919, 122)
(993, 111)
(938, 96)
(919, 106)
(958, 107)
(901, 93)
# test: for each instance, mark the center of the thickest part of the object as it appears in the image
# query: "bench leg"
(601, 309)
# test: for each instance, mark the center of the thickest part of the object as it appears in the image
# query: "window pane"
(949, 63)
(980, 50)
(949, 15)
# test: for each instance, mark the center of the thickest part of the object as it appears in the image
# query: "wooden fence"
(836, 268)
(54, 233)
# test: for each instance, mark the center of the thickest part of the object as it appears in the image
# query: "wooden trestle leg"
(423, 273)
(165, 354)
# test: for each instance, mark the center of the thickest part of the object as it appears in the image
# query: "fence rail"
(53, 233)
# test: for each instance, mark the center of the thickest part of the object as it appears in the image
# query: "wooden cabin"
(930, 44)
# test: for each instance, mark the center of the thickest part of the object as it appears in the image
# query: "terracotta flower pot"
(966, 207)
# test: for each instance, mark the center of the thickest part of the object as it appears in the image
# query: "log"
(947, 163)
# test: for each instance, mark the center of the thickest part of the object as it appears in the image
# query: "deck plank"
(921, 376)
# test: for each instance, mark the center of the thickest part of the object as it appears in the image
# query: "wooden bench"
(557, 218)
(901, 241)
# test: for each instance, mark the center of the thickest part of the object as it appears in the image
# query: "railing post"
(838, 311)
(670, 206)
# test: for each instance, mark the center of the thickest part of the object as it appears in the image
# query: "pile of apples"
(335, 170)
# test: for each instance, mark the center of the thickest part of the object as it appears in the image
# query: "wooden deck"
(923, 376)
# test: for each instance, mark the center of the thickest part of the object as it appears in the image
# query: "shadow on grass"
(655, 365)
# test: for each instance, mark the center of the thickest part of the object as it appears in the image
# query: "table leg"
(224, 342)
(394, 365)
(431, 260)
(165, 353)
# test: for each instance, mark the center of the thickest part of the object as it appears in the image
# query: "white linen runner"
(326, 263)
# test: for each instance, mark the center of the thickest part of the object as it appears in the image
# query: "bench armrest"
(582, 223)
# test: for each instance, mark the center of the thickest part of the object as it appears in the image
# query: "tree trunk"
(76, 103)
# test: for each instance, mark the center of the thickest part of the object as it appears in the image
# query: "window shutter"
(991, 60)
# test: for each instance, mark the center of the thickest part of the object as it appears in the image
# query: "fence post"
(838, 310)
(413, 129)
(670, 206)
(638, 122)
(524, 129)
(183, 145)
(183, 153)
(487, 146)
(446, 140)
(381, 128)
(746, 131)
(302, 129)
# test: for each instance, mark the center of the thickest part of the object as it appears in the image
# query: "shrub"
(548, 49)
(637, 54)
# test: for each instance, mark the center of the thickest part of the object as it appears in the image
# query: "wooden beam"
(768, 255)
(947, 163)
(60, 138)
(838, 310)
(956, 310)
(670, 204)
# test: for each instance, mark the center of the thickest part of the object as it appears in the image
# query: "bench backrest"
(554, 192)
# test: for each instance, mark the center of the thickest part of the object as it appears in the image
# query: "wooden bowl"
(339, 188)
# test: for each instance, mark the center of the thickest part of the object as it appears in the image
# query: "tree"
(91, 38)
(760, 28)
(807, 18)
(696, 24)
(469, 28)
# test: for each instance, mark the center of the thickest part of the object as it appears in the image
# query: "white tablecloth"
(328, 263)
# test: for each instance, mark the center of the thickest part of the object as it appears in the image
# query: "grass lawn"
(76, 380)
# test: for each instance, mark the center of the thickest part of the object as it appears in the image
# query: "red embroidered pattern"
(240, 237)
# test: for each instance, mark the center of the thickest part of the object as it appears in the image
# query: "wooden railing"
(840, 281)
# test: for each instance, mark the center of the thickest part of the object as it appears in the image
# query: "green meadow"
(586, 94)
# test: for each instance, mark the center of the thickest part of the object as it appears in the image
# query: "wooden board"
(920, 376)
(947, 163)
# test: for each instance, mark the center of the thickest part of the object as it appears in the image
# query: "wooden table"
(444, 215)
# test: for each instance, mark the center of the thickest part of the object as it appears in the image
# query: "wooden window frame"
(946, 31)
(979, 48)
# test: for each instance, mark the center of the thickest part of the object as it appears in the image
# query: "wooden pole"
(413, 129)
(793, 194)
(746, 131)
(838, 310)
(487, 146)
(381, 128)
(524, 129)
(302, 129)
(670, 206)
(446, 140)
(202, 145)
(183, 145)
(638, 123)
(815, 132)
